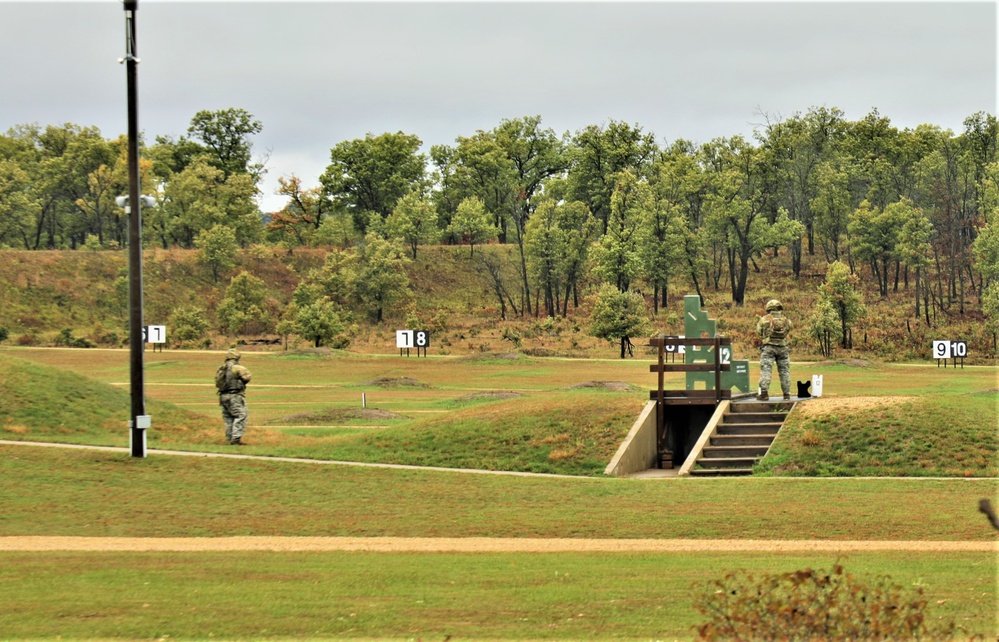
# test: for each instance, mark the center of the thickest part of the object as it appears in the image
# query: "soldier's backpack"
(778, 329)
(220, 378)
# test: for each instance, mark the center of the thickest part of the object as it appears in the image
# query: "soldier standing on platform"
(774, 329)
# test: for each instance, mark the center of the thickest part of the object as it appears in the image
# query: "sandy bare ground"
(475, 545)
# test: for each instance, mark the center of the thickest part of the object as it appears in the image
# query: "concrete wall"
(705, 439)
(638, 452)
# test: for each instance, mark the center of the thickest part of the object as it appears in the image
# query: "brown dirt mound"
(505, 356)
(396, 382)
(617, 386)
(491, 394)
(334, 415)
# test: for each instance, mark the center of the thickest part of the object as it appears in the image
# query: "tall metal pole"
(136, 342)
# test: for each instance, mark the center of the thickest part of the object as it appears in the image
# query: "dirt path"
(476, 545)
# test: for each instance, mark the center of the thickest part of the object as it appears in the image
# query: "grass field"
(304, 405)
(418, 596)
(501, 412)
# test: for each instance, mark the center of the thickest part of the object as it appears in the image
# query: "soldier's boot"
(237, 442)
(763, 396)
(787, 396)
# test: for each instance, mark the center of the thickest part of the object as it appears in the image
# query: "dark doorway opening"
(684, 425)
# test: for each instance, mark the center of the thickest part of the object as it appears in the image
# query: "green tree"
(226, 137)
(987, 251)
(825, 326)
(382, 281)
(471, 223)
(597, 155)
(617, 316)
(244, 308)
(617, 254)
(556, 242)
(324, 322)
(840, 291)
(537, 156)
(368, 176)
(874, 238)
(830, 207)
(18, 205)
(217, 249)
(663, 233)
(914, 249)
(201, 196)
(414, 220)
(189, 326)
(734, 210)
(792, 150)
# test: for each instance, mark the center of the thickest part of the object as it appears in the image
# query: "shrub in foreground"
(814, 605)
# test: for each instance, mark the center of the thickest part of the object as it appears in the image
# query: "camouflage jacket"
(232, 379)
(774, 329)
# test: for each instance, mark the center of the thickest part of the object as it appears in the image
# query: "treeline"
(607, 202)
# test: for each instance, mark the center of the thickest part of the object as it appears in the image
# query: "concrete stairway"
(741, 437)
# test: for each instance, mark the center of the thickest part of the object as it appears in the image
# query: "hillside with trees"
(879, 239)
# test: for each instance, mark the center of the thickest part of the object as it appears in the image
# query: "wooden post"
(661, 403)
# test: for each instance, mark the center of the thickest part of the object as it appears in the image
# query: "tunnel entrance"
(684, 425)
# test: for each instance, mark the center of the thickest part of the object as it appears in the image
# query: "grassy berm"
(573, 432)
(944, 427)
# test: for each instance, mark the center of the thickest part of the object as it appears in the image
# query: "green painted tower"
(697, 324)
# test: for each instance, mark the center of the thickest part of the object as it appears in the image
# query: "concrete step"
(748, 429)
(742, 440)
(727, 462)
(721, 472)
(754, 417)
(727, 452)
(761, 406)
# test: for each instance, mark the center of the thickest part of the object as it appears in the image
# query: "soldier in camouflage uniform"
(773, 329)
(230, 381)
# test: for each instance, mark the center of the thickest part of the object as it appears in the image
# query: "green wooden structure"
(697, 324)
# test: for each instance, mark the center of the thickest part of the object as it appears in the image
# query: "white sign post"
(817, 385)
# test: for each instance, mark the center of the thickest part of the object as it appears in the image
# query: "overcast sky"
(317, 73)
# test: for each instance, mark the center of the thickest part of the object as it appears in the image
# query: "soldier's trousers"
(782, 356)
(234, 415)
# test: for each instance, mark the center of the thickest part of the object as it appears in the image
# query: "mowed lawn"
(568, 596)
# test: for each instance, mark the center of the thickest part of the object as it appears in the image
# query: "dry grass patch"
(834, 405)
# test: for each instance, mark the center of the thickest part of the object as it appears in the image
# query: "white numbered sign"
(404, 339)
(950, 349)
(816, 385)
(672, 347)
(726, 354)
(154, 334)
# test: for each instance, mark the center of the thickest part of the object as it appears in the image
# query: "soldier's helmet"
(774, 304)
(232, 355)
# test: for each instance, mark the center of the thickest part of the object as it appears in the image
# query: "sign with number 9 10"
(950, 349)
